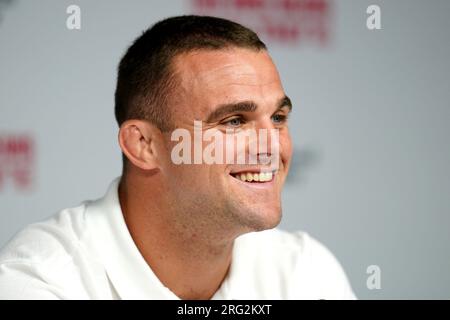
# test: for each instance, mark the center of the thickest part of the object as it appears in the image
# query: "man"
(191, 230)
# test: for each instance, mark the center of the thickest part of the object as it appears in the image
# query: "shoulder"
(41, 254)
(283, 244)
(299, 266)
(46, 241)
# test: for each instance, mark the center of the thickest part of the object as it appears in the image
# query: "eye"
(234, 122)
(279, 118)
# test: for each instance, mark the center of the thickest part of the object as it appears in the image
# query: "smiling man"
(189, 230)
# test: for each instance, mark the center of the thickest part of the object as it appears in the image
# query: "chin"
(260, 220)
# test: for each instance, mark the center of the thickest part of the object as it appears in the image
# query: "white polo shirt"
(87, 253)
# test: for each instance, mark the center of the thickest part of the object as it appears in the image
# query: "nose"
(265, 148)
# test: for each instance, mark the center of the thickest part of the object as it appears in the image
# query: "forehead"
(208, 78)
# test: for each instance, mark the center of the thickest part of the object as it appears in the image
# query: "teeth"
(257, 177)
(267, 176)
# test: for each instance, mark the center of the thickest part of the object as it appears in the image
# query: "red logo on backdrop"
(284, 21)
(16, 160)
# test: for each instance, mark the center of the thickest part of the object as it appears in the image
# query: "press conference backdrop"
(370, 126)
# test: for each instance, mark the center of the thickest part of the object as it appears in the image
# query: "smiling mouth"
(254, 177)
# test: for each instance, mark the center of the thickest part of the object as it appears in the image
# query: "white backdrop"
(371, 177)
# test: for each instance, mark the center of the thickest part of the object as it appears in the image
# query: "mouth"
(252, 177)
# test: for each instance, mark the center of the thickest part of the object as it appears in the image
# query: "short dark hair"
(145, 78)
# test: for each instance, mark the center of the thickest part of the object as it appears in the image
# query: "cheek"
(286, 146)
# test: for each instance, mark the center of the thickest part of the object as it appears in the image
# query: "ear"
(137, 139)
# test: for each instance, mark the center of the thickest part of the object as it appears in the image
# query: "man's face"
(231, 91)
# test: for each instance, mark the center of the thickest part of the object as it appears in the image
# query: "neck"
(184, 255)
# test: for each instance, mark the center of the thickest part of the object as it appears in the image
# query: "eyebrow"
(244, 106)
